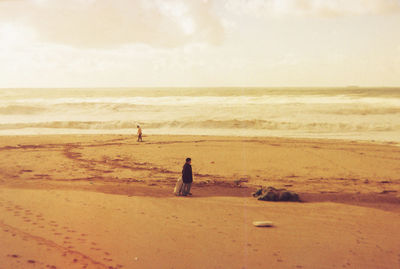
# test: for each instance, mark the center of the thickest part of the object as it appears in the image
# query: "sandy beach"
(106, 201)
(288, 110)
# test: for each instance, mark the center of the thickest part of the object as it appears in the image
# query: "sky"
(199, 43)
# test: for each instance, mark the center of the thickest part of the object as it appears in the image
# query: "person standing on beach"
(187, 177)
(139, 134)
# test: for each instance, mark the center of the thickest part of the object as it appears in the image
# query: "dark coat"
(187, 176)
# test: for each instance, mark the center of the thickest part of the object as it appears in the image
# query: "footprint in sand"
(14, 256)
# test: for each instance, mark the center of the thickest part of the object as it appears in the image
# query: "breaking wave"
(209, 124)
(223, 111)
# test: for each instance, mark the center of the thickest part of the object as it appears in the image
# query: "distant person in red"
(139, 134)
(187, 177)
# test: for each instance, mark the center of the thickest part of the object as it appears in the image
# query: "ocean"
(339, 113)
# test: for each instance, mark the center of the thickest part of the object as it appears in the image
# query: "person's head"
(188, 160)
(137, 126)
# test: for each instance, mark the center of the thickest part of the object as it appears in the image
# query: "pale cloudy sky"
(133, 43)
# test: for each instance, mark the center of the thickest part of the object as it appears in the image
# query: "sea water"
(343, 113)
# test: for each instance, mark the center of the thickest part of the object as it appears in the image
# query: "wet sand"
(105, 201)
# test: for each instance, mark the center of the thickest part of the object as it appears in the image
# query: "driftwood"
(272, 194)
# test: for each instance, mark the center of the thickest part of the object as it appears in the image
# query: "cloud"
(323, 8)
(102, 23)
(347, 7)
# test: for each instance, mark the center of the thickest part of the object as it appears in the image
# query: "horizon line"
(203, 87)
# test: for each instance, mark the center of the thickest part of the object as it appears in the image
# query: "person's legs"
(183, 189)
(186, 188)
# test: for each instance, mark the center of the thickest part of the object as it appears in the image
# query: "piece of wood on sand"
(263, 223)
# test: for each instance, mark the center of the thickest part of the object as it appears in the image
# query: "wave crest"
(209, 124)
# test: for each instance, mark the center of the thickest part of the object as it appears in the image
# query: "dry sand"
(105, 201)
